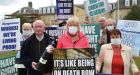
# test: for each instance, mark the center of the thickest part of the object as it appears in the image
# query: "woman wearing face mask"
(73, 38)
(116, 57)
(105, 35)
(110, 25)
(27, 31)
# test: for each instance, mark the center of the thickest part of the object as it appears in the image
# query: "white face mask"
(26, 33)
(73, 30)
(110, 28)
(116, 41)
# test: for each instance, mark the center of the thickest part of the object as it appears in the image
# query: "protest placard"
(7, 61)
(64, 9)
(9, 32)
(92, 31)
(130, 34)
(74, 61)
(96, 7)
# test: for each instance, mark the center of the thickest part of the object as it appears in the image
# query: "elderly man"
(103, 36)
(102, 21)
(34, 47)
(27, 31)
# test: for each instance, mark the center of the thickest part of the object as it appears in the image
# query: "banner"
(64, 9)
(55, 32)
(130, 34)
(96, 7)
(92, 31)
(74, 61)
(9, 32)
(7, 61)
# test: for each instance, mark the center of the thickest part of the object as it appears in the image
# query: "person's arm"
(100, 58)
(26, 60)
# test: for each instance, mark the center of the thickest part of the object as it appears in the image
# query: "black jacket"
(32, 50)
(108, 36)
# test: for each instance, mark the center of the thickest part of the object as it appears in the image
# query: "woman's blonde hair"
(27, 25)
(74, 19)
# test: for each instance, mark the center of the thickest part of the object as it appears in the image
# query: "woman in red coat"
(73, 38)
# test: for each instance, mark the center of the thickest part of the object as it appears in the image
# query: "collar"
(80, 34)
(40, 38)
(110, 47)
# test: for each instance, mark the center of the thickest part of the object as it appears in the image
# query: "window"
(134, 2)
(48, 10)
(44, 10)
(127, 2)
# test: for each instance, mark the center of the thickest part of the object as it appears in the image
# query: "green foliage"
(134, 14)
(137, 60)
(7, 54)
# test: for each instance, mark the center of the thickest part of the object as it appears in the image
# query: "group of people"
(114, 57)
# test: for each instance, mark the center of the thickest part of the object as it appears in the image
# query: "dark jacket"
(108, 36)
(32, 50)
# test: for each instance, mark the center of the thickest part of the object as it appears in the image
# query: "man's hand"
(50, 48)
(34, 65)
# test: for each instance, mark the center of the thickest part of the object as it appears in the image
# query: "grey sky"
(7, 2)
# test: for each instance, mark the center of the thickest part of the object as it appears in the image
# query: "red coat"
(65, 41)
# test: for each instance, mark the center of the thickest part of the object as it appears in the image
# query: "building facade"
(125, 7)
(47, 14)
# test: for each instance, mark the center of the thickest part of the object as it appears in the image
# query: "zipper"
(74, 44)
(39, 49)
